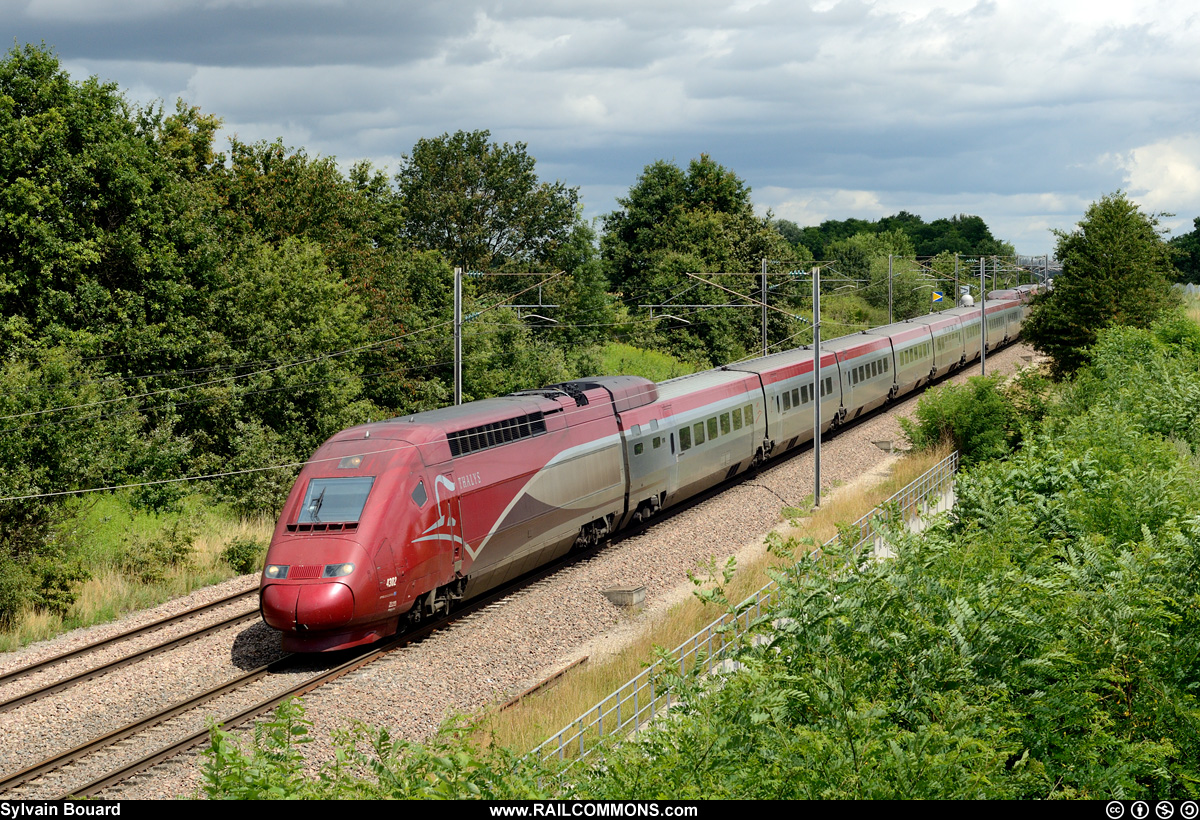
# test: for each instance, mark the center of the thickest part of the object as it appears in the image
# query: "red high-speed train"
(395, 521)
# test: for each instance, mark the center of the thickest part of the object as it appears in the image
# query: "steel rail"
(128, 660)
(133, 633)
(195, 738)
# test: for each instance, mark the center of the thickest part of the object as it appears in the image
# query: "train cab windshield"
(335, 500)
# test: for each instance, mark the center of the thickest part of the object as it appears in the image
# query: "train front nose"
(308, 607)
(308, 595)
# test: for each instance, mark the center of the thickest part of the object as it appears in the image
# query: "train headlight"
(276, 571)
(337, 570)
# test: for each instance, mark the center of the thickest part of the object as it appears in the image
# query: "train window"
(638, 448)
(685, 438)
(657, 442)
(737, 419)
(712, 428)
(725, 424)
(886, 365)
(329, 500)
(804, 394)
(698, 432)
(787, 401)
(748, 413)
(419, 496)
(829, 385)
(796, 396)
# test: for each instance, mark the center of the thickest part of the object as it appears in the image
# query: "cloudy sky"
(1020, 112)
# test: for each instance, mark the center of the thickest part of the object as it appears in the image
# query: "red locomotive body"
(402, 518)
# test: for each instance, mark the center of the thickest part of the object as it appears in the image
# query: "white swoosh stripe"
(571, 452)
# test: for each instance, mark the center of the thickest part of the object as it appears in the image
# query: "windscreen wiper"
(315, 506)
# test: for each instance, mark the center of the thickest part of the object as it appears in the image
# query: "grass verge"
(138, 559)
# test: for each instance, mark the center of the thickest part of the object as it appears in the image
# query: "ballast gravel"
(482, 659)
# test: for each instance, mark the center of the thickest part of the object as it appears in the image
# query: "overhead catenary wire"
(365, 376)
(359, 348)
(309, 360)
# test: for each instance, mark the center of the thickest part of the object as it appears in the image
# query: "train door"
(391, 575)
(673, 440)
(447, 494)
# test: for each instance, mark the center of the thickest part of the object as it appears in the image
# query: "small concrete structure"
(629, 596)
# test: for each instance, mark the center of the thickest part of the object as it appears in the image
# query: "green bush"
(977, 418)
(244, 555)
(447, 767)
(149, 559)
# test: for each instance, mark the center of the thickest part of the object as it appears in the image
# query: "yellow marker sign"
(937, 295)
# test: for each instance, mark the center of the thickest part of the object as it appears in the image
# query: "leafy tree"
(962, 234)
(479, 203)
(85, 204)
(675, 222)
(43, 453)
(1116, 270)
(501, 355)
(586, 313)
(789, 230)
(1187, 255)
(293, 319)
(864, 257)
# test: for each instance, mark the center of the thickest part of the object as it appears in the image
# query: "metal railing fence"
(640, 699)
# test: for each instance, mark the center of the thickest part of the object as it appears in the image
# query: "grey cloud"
(360, 33)
(954, 108)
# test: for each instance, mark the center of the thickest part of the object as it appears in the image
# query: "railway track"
(26, 672)
(72, 773)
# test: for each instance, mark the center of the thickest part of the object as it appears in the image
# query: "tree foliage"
(1187, 254)
(962, 234)
(479, 203)
(675, 222)
(1115, 271)
(976, 417)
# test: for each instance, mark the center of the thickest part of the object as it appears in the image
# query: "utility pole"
(458, 320)
(817, 386)
(763, 300)
(889, 288)
(956, 298)
(982, 317)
